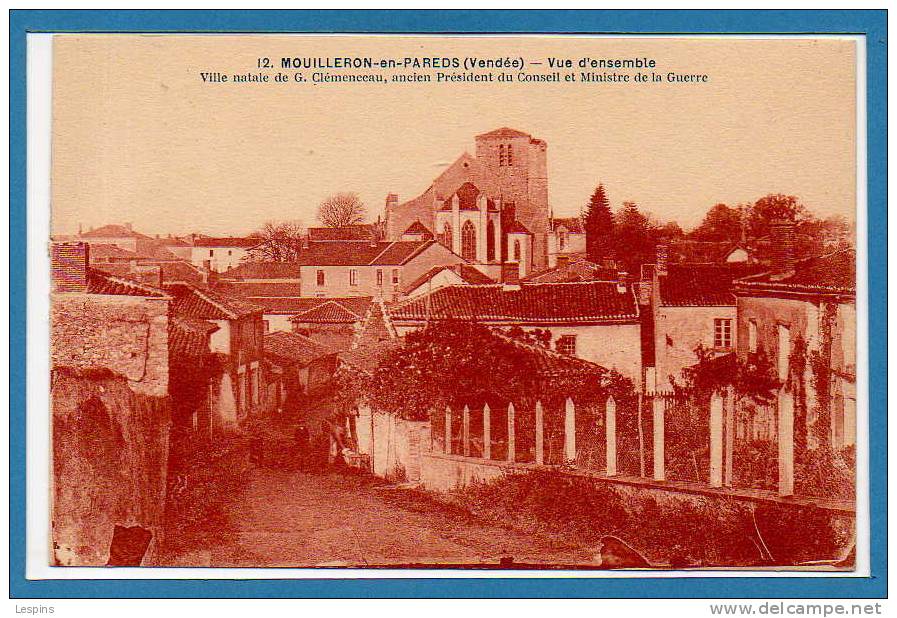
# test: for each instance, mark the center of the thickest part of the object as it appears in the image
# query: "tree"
(279, 241)
(772, 207)
(634, 237)
(342, 209)
(720, 224)
(599, 226)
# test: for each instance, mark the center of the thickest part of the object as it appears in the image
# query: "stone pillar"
(569, 430)
(786, 443)
(487, 432)
(540, 435)
(610, 434)
(481, 228)
(729, 425)
(456, 225)
(716, 440)
(512, 447)
(497, 229)
(659, 451)
(465, 431)
(448, 430)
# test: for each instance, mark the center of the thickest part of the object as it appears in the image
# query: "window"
(229, 252)
(752, 335)
(490, 241)
(468, 241)
(320, 277)
(353, 276)
(380, 277)
(722, 333)
(516, 250)
(505, 155)
(562, 240)
(784, 350)
(509, 156)
(501, 155)
(211, 252)
(395, 276)
(267, 326)
(447, 235)
(566, 344)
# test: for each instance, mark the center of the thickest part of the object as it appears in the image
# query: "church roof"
(504, 132)
(517, 228)
(418, 228)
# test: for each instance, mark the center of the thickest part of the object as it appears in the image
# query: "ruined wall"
(125, 334)
(110, 451)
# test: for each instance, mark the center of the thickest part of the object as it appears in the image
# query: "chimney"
(510, 273)
(68, 266)
(621, 282)
(660, 262)
(782, 250)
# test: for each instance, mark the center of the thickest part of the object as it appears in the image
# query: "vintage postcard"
(457, 303)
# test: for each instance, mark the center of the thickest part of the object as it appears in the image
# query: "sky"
(139, 138)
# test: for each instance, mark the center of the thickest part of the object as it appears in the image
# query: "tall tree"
(771, 207)
(720, 224)
(342, 209)
(599, 226)
(279, 241)
(634, 237)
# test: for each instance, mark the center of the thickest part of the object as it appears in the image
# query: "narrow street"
(295, 519)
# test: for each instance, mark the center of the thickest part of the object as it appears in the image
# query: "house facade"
(566, 240)
(220, 254)
(597, 321)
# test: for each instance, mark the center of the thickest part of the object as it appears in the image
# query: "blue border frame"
(873, 24)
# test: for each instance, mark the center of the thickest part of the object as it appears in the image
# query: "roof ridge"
(131, 283)
(388, 247)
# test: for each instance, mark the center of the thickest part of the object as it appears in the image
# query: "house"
(488, 208)
(220, 254)
(333, 322)
(261, 279)
(597, 321)
(566, 239)
(239, 338)
(201, 408)
(359, 232)
(122, 236)
(691, 305)
(375, 269)
(298, 366)
(441, 276)
(572, 268)
(801, 314)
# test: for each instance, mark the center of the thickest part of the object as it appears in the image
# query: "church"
(491, 209)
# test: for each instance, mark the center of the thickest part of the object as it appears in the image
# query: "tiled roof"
(418, 228)
(294, 305)
(466, 272)
(597, 301)
(263, 270)
(701, 285)
(517, 228)
(578, 270)
(174, 241)
(189, 337)
(289, 349)
(100, 282)
(329, 312)
(171, 271)
(205, 304)
(246, 289)
(230, 241)
(347, 232)
(504, 132)
(573, 224)
(357, 253)
(113, 231)
(103, 250)
(367, 357)
(833, 273)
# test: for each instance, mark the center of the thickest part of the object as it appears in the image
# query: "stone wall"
(125, 334)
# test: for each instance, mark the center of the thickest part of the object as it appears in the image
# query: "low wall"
(395, 445)
(441, 472)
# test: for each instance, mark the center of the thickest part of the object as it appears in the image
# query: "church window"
(468, 241)
(501, 155)
(447, 235)
(490, 241)
(516, 250)
(509, 156)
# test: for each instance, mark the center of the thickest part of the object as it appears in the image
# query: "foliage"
(455, 362)
(721, 224)
(599, 226)
(668, 529)
(342, 209)
(536, 336)
(752, 377)
(772, 207)
(279, 241)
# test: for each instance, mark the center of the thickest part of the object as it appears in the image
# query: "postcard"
(466, 305)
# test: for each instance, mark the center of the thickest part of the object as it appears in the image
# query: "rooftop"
(833, 273)
(335, 311)
(572, 224)
(418, 228)
(263, 270)
(205, 304)
(292, 349)
(575, 270)
(504, 132)
(229, 241)
(701, 285)
(589, 302)
(189, 337)
(113, 231)
(100, 282)
(363, 231)
(295, 305)
(358, 253)
(466, 272)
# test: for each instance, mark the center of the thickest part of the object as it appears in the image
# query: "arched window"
(562, 239)
(468, 241)
(501, 155)
(516, 250)
(446, 236)
(509, 156)
(490, 241)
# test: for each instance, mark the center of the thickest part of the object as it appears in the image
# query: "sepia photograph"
(455, 303)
